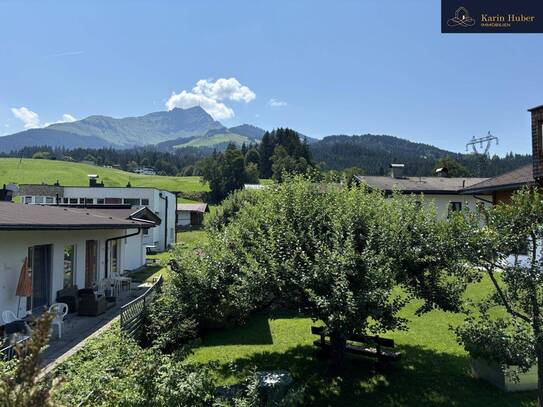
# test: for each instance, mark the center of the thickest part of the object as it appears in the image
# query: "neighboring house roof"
(42, 190)
(254, 186)
(52, 190)
(193, 207)
(510, 180)
(418, 185)
(45, 217)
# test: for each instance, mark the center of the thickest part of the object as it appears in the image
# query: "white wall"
(183, 218)
(155, 237)
(442, 202)
(14, 248)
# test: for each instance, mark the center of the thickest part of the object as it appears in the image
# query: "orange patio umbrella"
(24, 286)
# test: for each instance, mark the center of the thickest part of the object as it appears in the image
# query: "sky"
(319, 67)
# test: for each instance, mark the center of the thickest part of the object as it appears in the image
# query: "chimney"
(396, 170)
(6, 194)
(442, 172)
(537, 143)
(93, 181)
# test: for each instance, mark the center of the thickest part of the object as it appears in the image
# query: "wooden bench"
(372, 346)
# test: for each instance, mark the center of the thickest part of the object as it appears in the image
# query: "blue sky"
(334, 67)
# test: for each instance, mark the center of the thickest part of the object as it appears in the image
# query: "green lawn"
(149, 273)
(30, 171)
(192, 240)
(434, 369)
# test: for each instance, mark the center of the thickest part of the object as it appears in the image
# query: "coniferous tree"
(265, 149)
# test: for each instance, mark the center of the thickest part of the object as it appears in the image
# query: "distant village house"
(191, 215)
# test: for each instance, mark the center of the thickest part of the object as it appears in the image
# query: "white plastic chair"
(59, 310)
(110, 286)
(9, 316)
(122, 281)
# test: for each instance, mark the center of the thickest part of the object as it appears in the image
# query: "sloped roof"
(510, 180)
(418, 185)
(29, 217)
(193, 207)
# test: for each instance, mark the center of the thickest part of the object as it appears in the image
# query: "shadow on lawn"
(256, 332)
(421, 378)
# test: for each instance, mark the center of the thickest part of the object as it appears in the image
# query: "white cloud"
(67, 118)
(277, 102)
(186, 99)
(209, 96)
(67, 54)
(31, 120)
(224, 89)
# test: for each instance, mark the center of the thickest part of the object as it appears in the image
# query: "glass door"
(39, 261)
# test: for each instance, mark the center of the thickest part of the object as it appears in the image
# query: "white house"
(145, 171)
(190, 215)
(443, 191)
(161, 203)
(65, 247)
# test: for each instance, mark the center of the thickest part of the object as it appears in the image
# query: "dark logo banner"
(496, 16)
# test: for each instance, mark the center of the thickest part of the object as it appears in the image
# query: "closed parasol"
(24, 286)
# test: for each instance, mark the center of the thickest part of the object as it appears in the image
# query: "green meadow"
(31, 171)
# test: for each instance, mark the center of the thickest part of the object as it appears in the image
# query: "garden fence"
(10, 351)
(132, 313)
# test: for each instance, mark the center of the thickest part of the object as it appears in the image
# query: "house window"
(65, 200)
(49, 200)
(145, 232)
(145, 202)
(113, 201)
(28, 200)
(455, 206)
(100, 201)
(114, 256)
(73, 200)
(39, 199)
(69, 265)
(131, 201)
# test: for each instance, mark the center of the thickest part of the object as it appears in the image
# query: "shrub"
(19, 379)
(337, 253)
(113, 370)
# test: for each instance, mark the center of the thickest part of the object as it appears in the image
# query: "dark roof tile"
(28, 217)
(510, 180)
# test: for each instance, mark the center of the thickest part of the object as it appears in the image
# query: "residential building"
(145, 171)
(254, 186)
(443, 191)
(501, 187)
(161, 203)
(191, 215)
(66, 247)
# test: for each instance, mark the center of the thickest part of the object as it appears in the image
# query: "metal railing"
(133, 312)
(10, 351)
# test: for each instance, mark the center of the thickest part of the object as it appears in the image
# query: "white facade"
(15, 246)
(445, 202)
(183, 218)
(152, 198)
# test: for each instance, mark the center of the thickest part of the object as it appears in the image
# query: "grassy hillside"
(30, 171)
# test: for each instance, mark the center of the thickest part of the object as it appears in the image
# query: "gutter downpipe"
(107, 247)
(161, 195)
